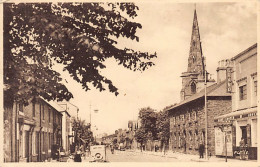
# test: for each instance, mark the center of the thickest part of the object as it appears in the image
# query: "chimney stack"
(222, 69)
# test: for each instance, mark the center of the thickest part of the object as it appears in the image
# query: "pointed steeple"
(195, 61)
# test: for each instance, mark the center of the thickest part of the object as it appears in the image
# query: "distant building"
(241, 123)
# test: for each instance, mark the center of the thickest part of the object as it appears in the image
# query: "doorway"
(244, 133)
(27, 145)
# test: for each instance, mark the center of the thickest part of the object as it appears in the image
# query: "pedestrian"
(242, 148)
(201, 149)
(77, 157)
(112, 148)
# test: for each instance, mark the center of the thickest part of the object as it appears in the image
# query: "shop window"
(242, 92)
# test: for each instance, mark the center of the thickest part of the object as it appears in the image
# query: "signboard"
(229, 144)
(229, 80)
(98, 153)
(220, 137)
(219, 141)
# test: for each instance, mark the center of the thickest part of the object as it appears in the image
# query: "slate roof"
(215, 90)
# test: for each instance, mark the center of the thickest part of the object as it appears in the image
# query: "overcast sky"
(226, 29)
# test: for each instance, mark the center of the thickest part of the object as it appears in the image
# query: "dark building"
(30, 131)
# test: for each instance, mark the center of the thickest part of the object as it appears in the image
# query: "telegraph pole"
(206, 116)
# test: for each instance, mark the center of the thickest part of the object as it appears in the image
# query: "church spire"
(195, 61)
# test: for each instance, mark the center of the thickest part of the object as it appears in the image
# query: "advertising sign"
(220, 145)
(229, 144)
(219, 141)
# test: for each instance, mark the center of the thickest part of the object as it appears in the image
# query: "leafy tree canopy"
(82, 131)
(141, 135)
(81, 36)
(148, 118)
(163, 125)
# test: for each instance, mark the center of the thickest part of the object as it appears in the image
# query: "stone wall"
(189, 127)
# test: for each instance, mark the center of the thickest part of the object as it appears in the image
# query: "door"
(27, 145)
(244, 133)
(37, 145)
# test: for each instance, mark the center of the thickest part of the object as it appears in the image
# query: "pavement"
(190, 157)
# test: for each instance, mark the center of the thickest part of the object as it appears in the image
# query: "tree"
(81, 36)
(83, 134)
(148, 118)
(141, 136)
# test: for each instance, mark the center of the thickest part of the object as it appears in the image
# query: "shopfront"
(236, 134)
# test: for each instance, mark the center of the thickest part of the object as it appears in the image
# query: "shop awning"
(240, 114)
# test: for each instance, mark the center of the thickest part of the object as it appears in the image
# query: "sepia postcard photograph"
(137, 81)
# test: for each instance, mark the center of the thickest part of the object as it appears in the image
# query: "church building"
(187, 119)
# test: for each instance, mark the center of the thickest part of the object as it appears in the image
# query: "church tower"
(193, 79)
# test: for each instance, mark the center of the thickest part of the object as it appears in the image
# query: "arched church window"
(193, 87)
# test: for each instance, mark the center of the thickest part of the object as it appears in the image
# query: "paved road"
(126, 156)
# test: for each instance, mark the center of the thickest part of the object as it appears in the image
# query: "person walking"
(112, 148)
(201, 150)
(242, 149)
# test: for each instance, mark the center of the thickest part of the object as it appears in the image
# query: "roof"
(215, 90)
(68, 108)
(54, 105)
(245, 51)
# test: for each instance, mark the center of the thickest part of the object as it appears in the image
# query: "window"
(173, 119)
(33, 109)
(54, 117)
(242, 92)
(193, 87)
(255, 87)
(190, 135)
(42, 111)
(49, 113)
(20, 107)
(195, 115)
(182, 117)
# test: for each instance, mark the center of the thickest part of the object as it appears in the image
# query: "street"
(129, 156)
(136, 156)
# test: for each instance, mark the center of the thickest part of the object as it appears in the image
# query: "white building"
(243, 118)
